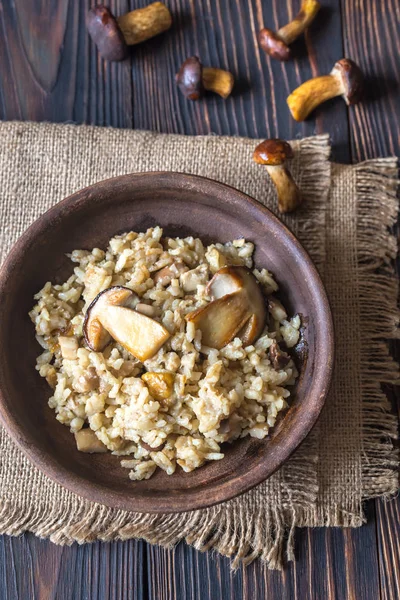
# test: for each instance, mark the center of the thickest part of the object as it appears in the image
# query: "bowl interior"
(183, 205)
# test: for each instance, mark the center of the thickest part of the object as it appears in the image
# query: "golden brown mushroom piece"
(277, 44)
(160, 384)
(273, 154)
(237, 309)
(345, 79)
(112, 35)
(109, 318)
(192, 79)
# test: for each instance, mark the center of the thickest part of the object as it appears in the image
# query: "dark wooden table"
(50, 71)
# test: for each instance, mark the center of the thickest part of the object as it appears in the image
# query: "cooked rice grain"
(218, 395)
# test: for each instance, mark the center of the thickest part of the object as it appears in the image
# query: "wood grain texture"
(332, 564)
(388, 531)
(35, 569)
(54, 72)
(371, 33)
(50, 71)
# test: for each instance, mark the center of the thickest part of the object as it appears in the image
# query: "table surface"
(50, 71)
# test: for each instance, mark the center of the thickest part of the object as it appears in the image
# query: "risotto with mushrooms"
(160, 349)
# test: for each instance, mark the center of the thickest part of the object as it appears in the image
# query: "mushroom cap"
(106, 34)
(352, 78)
(273, 45)
(272, 152)
(190, 78)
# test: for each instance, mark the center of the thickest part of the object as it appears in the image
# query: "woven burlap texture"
(345, 227)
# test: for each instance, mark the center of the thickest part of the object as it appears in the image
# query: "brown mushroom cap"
(190, 78)
(352, 78)
(272, 152)
(106, 34)
(273, 45)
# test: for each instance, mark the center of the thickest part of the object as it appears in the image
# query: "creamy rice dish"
(160, 350)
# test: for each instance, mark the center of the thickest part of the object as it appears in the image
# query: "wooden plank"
(51, 71)
(372, 40)
(31, 568)
(331, 564)
(388, 528)
(224, 34)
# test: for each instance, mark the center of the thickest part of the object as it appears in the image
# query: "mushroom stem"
(276, 44)
(144, 23)
(302, 20)
(310, 94)
(345, 79)
(192, 79)
(273, 154)
(289, 197)
(218, 81)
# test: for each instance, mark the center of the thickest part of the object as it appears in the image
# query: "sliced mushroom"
(160, 384)
(96, 336)
(107, 318)
(220, 320)
(278, 357)
(237, 308)
(138, 334)
(87, 441)
(225, 281)
(250, 331)
(231, 279)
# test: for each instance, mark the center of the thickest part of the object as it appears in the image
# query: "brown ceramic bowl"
(182, 204)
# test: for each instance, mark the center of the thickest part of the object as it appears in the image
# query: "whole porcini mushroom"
(192, 79)
(237, 309)
(345, 79)
(112, 35)
(277, 44)
(273, 155)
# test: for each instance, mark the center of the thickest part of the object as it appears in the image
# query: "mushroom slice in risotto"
(107, 317)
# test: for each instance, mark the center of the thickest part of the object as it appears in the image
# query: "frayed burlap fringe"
(377, 185)
(260, 523)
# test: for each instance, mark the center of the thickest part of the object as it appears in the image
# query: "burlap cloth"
(345, 224)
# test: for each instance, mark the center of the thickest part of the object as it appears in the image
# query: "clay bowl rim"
(225, 490)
